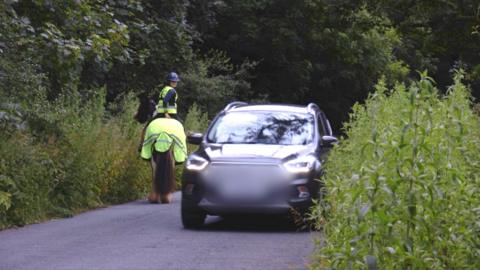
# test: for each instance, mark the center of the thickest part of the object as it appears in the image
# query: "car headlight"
(196, 163)
(301, 165)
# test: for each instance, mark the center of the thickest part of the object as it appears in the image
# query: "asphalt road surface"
(139, 235)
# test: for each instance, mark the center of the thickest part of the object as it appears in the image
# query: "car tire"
(192, 218)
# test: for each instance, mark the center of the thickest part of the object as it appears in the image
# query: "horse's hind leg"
(153, 197)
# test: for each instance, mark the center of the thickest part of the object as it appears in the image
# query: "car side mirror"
(195, 138)
(328, 141)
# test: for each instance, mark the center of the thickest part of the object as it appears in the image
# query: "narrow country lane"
(139, 235)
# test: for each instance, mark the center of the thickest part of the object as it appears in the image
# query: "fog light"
(189, 189)
(303, 192)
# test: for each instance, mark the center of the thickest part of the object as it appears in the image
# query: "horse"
(164, 145)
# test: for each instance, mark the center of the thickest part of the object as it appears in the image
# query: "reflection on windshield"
(263, 128)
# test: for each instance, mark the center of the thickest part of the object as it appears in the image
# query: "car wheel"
(192, 218)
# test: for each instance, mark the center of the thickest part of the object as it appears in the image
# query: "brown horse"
(162, 163)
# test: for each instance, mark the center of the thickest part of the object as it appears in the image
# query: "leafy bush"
(72, 157)
(27, 178)
(100, 159)
(196, 120)
(403, 187)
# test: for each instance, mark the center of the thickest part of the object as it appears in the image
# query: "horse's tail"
(164, 172)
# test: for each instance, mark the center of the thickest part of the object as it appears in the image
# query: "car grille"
(245, 183)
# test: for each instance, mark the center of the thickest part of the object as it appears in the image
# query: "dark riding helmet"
(173, 77)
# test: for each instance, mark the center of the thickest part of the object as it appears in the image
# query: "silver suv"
(256, 159)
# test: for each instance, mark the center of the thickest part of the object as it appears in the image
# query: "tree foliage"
(332, 52)
(329, 52)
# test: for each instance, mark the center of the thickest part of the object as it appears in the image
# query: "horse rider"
(167, 103)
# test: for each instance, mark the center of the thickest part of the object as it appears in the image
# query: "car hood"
(231, 151)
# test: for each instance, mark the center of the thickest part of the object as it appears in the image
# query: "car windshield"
(283, 128)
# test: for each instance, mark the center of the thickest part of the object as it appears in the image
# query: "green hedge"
(404, 186)
(71, 157)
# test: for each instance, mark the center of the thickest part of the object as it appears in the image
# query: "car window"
(283, 128)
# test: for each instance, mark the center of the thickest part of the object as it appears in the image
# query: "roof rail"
(234, 104)
(313, 107)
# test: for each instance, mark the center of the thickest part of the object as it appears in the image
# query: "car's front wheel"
(192, 218)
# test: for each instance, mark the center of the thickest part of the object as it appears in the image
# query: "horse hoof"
(153, 201)
(153, 198)
(166, 198)
(165, 201)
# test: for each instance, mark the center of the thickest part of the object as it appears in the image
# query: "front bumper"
(261, 208)
(198, 192)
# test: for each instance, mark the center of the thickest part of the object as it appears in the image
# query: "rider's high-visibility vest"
(167, 108)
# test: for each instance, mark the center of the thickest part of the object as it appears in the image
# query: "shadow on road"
(251, 223)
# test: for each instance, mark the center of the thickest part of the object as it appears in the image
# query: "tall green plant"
(403, 188)
(70, 156)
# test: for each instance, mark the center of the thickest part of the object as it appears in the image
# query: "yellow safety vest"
(161, 133)
(161, 108)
